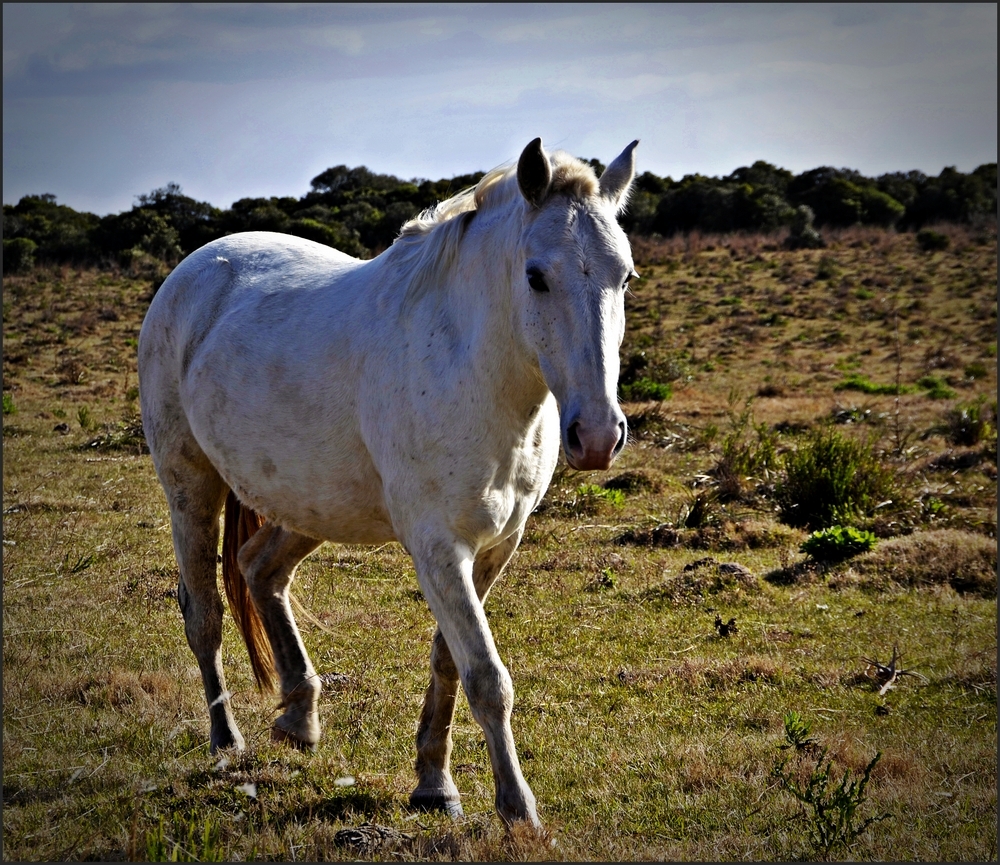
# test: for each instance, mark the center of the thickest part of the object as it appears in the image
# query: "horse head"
(570, 281)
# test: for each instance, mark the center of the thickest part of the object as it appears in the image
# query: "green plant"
(935, 387)
(837, 543)
(8, 404)
(590, 497)
(84, 417)
(931, 241)
(797, 731)
(831, 478)
(645, 389)
(833, 806)
(861, 382)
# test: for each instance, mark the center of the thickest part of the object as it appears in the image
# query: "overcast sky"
(103, 102)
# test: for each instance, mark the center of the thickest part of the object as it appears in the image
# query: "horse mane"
(429, 242)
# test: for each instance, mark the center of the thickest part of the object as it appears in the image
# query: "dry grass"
(644, 733)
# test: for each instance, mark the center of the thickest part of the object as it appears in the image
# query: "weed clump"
(830, 479)
(833, 806)
(970, 423)
(838, 543)
(748, 453)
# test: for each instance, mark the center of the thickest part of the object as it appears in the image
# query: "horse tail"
(241, 523)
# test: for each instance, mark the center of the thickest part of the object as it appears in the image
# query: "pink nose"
(594, 448)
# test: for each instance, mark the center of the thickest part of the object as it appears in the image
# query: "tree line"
(360, 212)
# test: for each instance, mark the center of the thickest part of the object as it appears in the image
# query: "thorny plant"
(833, 806)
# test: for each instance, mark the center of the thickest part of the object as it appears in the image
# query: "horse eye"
(536, 280)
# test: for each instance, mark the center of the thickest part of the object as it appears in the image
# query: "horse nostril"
(573, 438)
(621, 438)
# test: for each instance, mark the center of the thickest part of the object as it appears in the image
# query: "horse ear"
(617, 177)
(534, 174)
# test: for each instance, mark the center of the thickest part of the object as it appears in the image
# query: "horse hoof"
(286, 737)
(420, 801)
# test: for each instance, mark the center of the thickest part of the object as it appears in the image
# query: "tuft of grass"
(935, 387)
(861, 382)
(645, 389)
(965, 561)
(590, 498)
(748, 452)
(8, 404)
(85, 418)
(830, 478)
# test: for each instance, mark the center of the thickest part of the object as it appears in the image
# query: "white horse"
(418, 397)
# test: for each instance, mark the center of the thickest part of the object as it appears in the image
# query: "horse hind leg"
(268, 561)
(195, 493)
(436, 790)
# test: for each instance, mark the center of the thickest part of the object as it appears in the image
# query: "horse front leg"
(445, 571)
(268, 561)
(436, 791)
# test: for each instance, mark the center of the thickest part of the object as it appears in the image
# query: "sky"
(102, 102)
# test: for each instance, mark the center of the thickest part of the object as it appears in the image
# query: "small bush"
(830, 479)
(645, 389)
(837, 543)
(18, 254)
(8, 404)
(931, 241)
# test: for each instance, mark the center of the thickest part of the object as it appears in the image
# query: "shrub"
(18, 254)
(837, 543)
(803, 234)
(644, 389)
(830, 479)
(931, 241)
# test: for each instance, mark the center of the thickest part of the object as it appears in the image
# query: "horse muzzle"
(593, 447)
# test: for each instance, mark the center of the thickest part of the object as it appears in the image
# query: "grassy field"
(644, 732)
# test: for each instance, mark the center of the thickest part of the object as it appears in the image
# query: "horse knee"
(490, 692)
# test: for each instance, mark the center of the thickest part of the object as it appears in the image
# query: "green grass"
(643, 732)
